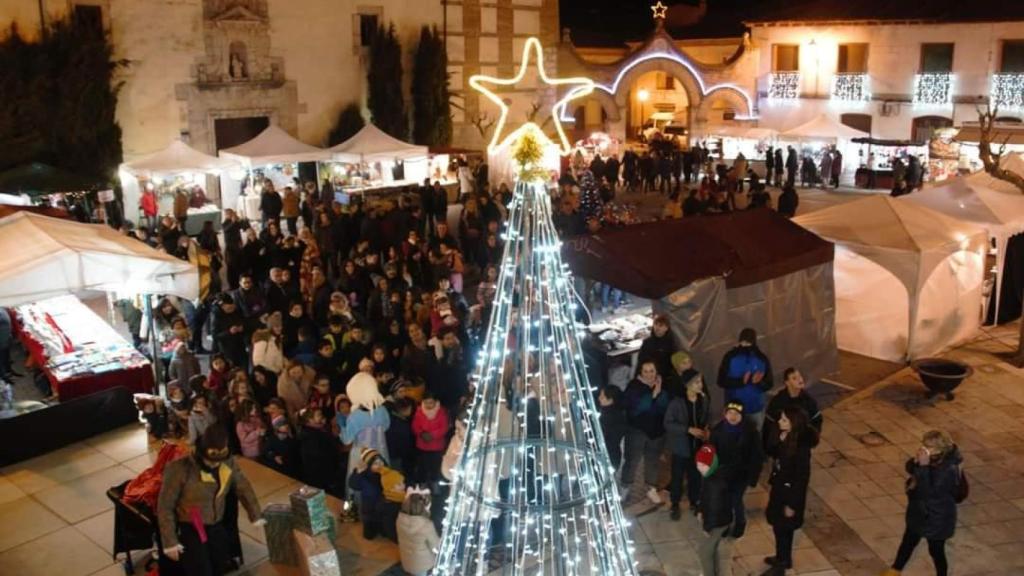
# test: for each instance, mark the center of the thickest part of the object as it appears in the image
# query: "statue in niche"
(238, 69)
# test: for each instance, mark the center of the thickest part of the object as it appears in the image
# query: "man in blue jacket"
(746, 374)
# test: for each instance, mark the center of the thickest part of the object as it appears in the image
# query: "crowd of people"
(340, 356)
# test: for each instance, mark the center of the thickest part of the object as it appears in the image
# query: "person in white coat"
(417, 536)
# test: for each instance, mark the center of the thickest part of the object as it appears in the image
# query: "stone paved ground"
(856, 503)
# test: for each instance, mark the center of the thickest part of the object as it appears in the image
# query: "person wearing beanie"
(190, 508)
(746, 374)
(682, 372)
(381, 492)
(659, 346)
(738, 445)
(793, 395)
(716, 511)
(686, 428)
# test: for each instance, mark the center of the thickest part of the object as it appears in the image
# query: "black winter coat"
(658, 350)
(791, 473)
(715, 502)
(931, 497)
(319, 455)
(739, 452)
(778, 404)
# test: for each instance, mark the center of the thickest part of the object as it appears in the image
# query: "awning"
(1001, 133)
(274, 146)
(178, 158)
(371, 144)
(823, 127)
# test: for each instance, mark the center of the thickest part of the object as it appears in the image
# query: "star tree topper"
(579, 87)
(660, 11)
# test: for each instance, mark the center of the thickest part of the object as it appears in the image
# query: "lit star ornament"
(579, 87)
(660, 11)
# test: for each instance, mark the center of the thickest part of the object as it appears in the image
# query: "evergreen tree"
(385, 99)
(350, 121)
(432, 122)
(58, 100)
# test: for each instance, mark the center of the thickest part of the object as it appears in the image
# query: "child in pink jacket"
(430, 427)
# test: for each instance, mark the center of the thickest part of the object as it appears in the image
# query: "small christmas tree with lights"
(534, 491)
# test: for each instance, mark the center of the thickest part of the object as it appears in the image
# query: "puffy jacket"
(678, 422)
(735, 364)
(931, 497)
(417, 538)
(791, 473)
(643, 410)
(437, 427)
(739, 451)
(715, 502)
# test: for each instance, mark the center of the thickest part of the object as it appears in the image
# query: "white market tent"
(823, 127)
(1000, 213)
(1012, 162)
(178, 158)
(274, 146)
(887, 249)
(42, 257)
(371, 144)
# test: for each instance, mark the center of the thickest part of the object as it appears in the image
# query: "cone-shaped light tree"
(533, 492)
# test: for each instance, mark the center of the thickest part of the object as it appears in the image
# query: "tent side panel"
(949, 305)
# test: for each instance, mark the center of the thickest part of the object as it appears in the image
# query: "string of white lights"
(784, 86)
(851, 87)
(533, 492)
(934, 89)
(1008, 91)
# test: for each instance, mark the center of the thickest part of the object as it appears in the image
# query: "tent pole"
(154, 352)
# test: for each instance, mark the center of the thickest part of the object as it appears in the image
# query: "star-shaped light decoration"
(531, 50)
(660, 11)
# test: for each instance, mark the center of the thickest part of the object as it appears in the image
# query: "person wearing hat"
(715, 513)
(381, 491)
(686, 428)
(681, 374)
(746, 374)
(190, 508)
(738, 445)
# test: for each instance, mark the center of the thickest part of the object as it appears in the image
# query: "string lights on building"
(784, 86)
(533, 492)
(1008, 91)
(851, 88)
(933, 89)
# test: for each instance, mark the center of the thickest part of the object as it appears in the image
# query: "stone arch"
(631, 72)
(733, 97)
(607, 102)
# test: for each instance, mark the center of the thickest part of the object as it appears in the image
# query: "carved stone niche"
(237, 40)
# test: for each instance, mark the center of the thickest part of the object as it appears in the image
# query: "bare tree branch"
(993, 159)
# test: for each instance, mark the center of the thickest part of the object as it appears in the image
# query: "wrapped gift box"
(280, 542)
(317, 555)
(309, 510)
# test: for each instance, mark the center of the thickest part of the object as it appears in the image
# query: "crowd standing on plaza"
(341, 346)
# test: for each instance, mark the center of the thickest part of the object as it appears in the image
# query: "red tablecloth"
(137, 380)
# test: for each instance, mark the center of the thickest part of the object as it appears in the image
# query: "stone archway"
(634, 70)
(724, 98)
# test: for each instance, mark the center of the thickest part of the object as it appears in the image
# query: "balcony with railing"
(933, 88)
(851, 87)
(1008, 91)
(784, 86)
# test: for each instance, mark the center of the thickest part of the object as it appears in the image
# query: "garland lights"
(784, 86)
(533, 492)
(851, 88)
(934, 89)
(1008, 91)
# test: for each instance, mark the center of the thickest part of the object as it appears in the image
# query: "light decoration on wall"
(533, 492)
(933, 89)
(851, 88)
(532, 50)
(784, 86)
(1008, 91)
(705, 90)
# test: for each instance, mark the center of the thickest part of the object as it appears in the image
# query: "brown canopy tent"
(715, 275)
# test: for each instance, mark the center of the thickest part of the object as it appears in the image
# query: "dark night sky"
(610, 22)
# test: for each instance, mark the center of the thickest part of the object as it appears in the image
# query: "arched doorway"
(657, 101)
(923, 126)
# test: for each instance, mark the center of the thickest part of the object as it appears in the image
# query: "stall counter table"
(138, 380)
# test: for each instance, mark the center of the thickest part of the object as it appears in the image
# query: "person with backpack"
(935, 486)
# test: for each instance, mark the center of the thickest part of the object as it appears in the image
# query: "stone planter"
(940, 375)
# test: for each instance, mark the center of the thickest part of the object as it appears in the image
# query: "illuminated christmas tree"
(533, 492)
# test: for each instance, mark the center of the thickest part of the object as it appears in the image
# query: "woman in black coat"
(791, 473)
(932, 493)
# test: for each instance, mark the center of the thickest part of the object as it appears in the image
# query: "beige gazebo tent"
(908, 279)
(42, 257)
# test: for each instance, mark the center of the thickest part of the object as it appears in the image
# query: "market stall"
(717, 278)
(45, 185)
(178, 166)
(1002, 215)
(751, 141)
(273, 154)
(908, 279)
(374, 162)
(821, 132)
(43, 259)
(877, 171)
(76, 350)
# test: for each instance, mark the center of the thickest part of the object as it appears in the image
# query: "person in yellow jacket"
(190, 509)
